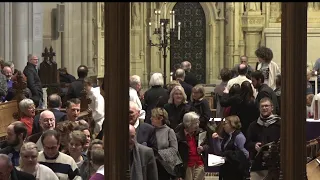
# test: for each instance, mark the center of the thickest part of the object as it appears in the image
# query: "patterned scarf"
(268, 121)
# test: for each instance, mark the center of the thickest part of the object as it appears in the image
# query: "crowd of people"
(58, 143)
(176, 123)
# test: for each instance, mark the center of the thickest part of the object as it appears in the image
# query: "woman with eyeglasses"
(29, 163)
(230, 145)
(167, 144)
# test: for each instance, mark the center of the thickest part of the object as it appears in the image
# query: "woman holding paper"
(231, 147)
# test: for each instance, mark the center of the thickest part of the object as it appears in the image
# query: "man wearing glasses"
(46, 121)
(263, 131)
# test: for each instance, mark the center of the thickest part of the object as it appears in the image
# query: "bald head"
(242, 69)
(132, 136)
(186, 65)
(7, 71)
(134, 112)
(47, 120)
(54, 101)
(180, 74)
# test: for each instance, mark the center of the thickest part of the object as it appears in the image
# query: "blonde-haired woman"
(29, 163)
(231, 147)
(167, 144)
(177, 106)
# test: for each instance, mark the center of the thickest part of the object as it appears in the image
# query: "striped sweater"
(63, 166)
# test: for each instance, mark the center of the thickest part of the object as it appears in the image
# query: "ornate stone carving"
(253, 23)
(275, 12)
(135, 14)
(252, 6)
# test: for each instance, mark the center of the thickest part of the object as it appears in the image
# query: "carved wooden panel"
(192, 46)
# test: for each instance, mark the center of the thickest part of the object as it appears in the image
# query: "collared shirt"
(136, 124)
(194, 158)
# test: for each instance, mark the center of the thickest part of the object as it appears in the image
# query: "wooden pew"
(7, 111)
(313, 170)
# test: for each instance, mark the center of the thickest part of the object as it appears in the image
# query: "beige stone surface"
(232, 29)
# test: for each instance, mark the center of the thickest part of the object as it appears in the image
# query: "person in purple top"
(230, 145)
(97, 158)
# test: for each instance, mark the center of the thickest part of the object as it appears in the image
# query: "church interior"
(240, 76)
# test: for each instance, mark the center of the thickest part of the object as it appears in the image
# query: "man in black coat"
(180, 76)
(76, 86)
(8, 171)
(54, 105)
(264, 90)
(33, 80)
(145, 132)
(190, 77)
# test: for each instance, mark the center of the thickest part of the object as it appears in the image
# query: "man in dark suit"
(76, 86)
(33, 80)
(145, 132)
(8, 171)
(264, 90)
(180, 76)
(54, 105)
(143, 164)
(190, 77)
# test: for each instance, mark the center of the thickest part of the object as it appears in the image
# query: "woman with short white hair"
(154, 95)
(177, 106)
(191, 153)
(28, 111)
(30, 165)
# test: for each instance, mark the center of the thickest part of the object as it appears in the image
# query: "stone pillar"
(90, 36)
(294, 62)
(117, 57)
(5, 33)
(20, 34)
(252, 25)
(35, 44)
(84, 33)
(230, 34)
(65, 40)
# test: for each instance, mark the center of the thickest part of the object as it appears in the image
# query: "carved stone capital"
(252, 23)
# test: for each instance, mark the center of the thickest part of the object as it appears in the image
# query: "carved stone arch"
(212, 57)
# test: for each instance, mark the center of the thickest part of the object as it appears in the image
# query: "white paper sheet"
(214, 160)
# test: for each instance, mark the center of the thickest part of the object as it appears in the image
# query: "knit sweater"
(166, 137)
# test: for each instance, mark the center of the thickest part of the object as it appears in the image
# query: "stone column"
(90, 35)
(230, 34)
(252, 25)
(35, 45)
(20, 34)
(294, 62)
(5, 33)
(65, 40)
(117, 37)
(84, 33)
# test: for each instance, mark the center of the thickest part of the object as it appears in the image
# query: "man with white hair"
(191, 153)
(33, 80)
(47, 121)
(180, 76)
(145, 132)
(134, 89)
(190, 77)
